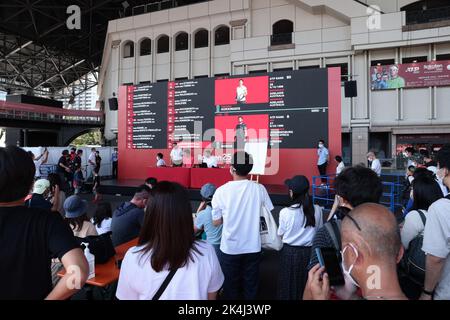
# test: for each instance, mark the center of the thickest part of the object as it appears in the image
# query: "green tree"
(93, 138)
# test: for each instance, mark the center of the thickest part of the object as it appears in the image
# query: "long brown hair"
(77, 223)
(168, 228)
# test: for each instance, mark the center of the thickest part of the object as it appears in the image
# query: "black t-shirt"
(38, 201)
(76, 163)
(29, 239)
(431, 164)
(64, 162)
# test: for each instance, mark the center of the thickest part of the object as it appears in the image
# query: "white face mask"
(321, 145)
(347, 272)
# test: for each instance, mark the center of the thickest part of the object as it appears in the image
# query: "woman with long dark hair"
(297, 227)
(103, 217)
(167, 247)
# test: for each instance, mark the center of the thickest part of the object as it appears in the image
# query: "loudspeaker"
(351, 90)
(113, 104)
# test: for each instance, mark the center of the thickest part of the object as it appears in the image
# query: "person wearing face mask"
(371, 250)
(322, 161)
(354, 186)
(375, 163)
(436, 238)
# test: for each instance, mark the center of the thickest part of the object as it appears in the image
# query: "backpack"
(333, 228)
(100, 246)
(415, 258)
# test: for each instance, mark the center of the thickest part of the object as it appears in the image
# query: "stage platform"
(278, 193)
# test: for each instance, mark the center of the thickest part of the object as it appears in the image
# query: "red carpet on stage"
(193, 178)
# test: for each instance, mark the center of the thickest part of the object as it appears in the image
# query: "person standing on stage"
(92, 164)
(115, 163)
(323, 159)
(375, 163)
(176, 155)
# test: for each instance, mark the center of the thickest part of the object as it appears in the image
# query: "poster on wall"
(411, 75)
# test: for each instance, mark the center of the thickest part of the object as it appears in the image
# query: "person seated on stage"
(176, 155)
(188, 160)
(128, 218)
(203, 220)
(209, 160)
(151, 182)
(168, 250)
(160, 160)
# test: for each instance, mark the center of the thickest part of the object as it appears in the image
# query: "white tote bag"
(268, 230)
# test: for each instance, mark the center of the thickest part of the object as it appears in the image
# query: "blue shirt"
(323, 155)
(204, 221)
(114, 157)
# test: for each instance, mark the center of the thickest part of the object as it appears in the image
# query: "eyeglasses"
(353, 220)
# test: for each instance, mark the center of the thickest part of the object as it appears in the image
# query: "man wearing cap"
(40, 191)
(204, 220)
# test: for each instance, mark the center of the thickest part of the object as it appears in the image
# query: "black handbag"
(100, 246)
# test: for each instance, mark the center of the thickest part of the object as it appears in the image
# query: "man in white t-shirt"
(376, 164)
(209, 160)
(42, 159)
(176, 155)
(241, 93)
(436, 239)
(237, 206)
(92, 163)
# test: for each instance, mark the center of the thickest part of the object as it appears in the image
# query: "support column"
(360, 145)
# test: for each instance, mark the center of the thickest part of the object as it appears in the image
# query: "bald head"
(379, 232)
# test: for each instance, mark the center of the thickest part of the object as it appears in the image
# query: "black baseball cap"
(298, 184)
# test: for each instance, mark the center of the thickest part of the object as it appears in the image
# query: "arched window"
(201, 39)
(128, 49)
(163, 44)
(426, 11)
(182, 42)
(282, 32)
(146, 47)
(222, 36)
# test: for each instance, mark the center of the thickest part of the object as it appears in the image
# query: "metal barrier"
(324, 194)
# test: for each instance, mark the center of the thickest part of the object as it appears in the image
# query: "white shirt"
(436, 241)
(105, 226)
(239, 204)
(138, 280)
(91, 158)
(160, 163)
(176, 154)
(340, 168)
(210, 161)
(241, 94)
(37, 164)
(376, 166)
(412, 227)
(292, 226)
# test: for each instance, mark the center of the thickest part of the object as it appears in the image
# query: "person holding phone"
(297, 226)
(371, 250)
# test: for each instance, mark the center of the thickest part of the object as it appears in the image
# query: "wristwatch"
(428, 293)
